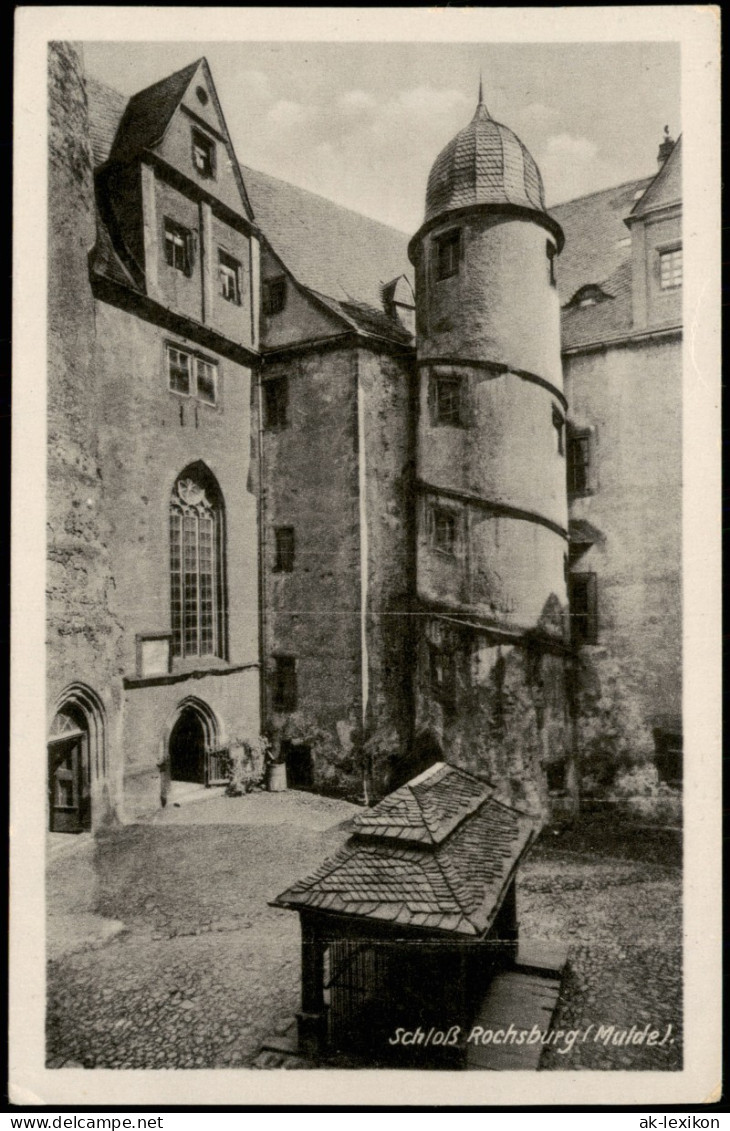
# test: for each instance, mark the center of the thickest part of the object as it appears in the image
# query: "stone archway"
(76, 759)
(193, 734)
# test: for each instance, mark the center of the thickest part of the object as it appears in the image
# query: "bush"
(246, 765)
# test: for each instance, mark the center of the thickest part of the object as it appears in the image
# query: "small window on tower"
(444, 530)
(558, 428)
(551, 252)
(203, 154)
(447, 400)
(448, 251)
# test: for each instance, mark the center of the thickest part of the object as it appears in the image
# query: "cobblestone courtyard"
(163, 952)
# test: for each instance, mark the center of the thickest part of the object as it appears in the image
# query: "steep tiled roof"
(597, 241)
(436, 854)
(609, 318)
(328, 248)
(148, 112)
(427, 808)
(666, 188)
(486, 163)
(106, 107)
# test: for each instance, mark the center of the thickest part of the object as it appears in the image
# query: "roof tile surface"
(450, 871)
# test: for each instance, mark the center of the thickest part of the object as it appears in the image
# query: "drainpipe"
(363, 532)
(262, 552)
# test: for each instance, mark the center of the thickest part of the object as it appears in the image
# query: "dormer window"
(229, 274)
(448, 251)
(670, 268)
(274, 295)
(203, 154)
(178, 247)
(589, 295)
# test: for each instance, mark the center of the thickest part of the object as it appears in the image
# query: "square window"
(274, 295)
(444, 530)
(229, 274)
(583, 608)
(203, 154)
(284, 549)
(178, 370)
(192, 376)
(207, 381)
(178, 247)
(448, 250)
(670, 269)
(276, 397)
(447, 408)
(285, 683)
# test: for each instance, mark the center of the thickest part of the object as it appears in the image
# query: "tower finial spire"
(481, 110)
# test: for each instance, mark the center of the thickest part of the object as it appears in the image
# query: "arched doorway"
(187, 747)
(69, 773)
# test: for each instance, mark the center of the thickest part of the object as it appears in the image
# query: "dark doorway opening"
(425, 753)
(187, 748)
(69, 780)
(299, 765)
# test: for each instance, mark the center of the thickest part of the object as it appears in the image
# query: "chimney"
(665, 148)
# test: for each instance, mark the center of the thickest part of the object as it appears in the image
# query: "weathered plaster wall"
(505, 450)
(630, 681)
(509, 719)
(150, 713)
(500, 306)
(310, 473)
(148, 435)
(301, 320)
(387, 386)
(83, 630)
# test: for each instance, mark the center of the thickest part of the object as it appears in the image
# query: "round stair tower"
(491, 477)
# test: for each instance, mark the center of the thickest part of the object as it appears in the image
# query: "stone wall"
(313, 612)
(83, 627)
(629, 681)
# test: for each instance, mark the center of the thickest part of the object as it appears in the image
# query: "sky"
(362, 123)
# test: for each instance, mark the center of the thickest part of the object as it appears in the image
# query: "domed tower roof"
(486, 164)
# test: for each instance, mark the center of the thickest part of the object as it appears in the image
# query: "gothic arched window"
(197, 590)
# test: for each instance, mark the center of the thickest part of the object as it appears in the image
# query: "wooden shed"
(405, 926)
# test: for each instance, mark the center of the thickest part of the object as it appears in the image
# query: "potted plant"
(275, 769)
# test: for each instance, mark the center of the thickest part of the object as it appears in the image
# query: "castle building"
(308, 479)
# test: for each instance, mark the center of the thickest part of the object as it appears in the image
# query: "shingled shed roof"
(438, 854)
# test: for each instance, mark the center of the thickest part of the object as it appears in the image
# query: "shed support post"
(311, 1020)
